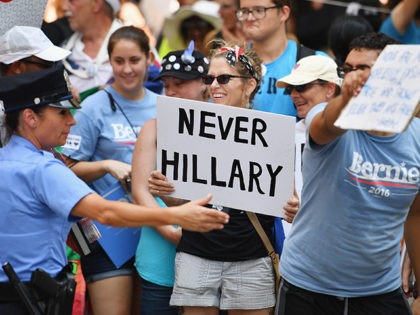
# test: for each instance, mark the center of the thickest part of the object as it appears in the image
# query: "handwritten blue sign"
(390, 97)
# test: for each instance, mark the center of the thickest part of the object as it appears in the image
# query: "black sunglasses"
(300, 88)
(343, 70)
(221, 79)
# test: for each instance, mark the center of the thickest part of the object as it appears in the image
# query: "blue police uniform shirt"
(37, 195)
(356, 194)
(102, 133)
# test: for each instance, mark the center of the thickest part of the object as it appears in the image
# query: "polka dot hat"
(183, 65)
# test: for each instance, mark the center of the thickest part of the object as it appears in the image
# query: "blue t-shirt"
(102, 133)
(411, 35)
(356, 195)
(37, 195)
(270, 98)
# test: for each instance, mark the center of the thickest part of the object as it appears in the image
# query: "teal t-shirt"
(155, 256)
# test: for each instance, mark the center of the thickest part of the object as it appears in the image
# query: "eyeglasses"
(257, 12)
(301, 88)
(221, 79)
(343, 70)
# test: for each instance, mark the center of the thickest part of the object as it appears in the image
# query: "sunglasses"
(343, 70)
(300, 88)
(221, 79)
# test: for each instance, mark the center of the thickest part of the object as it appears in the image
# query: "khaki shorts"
(241, 285)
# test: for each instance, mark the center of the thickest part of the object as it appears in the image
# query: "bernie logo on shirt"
(73, 142)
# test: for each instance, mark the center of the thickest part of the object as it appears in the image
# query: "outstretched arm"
(191, 216)
(322, 130)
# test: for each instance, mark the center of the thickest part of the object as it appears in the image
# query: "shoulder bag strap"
(257, 225)
(271, 253)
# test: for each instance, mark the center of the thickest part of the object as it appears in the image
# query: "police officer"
(41, 198)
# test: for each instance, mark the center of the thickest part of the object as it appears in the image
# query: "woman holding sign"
(239, 274)
(99, 150)
(181, 74)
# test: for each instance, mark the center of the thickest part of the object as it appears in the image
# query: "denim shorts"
(155, 299)
(97, 265)
(239, 285)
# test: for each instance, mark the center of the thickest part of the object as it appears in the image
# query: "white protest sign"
(390, 96)
(244, 158)
(21, 12)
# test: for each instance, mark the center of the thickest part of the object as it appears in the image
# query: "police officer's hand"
(195, 217)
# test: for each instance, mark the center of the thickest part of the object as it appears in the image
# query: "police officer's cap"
(37, 88)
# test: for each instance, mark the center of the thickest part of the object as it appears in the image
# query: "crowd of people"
(78, 114)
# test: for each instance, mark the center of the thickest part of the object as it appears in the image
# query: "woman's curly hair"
(247, 65)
